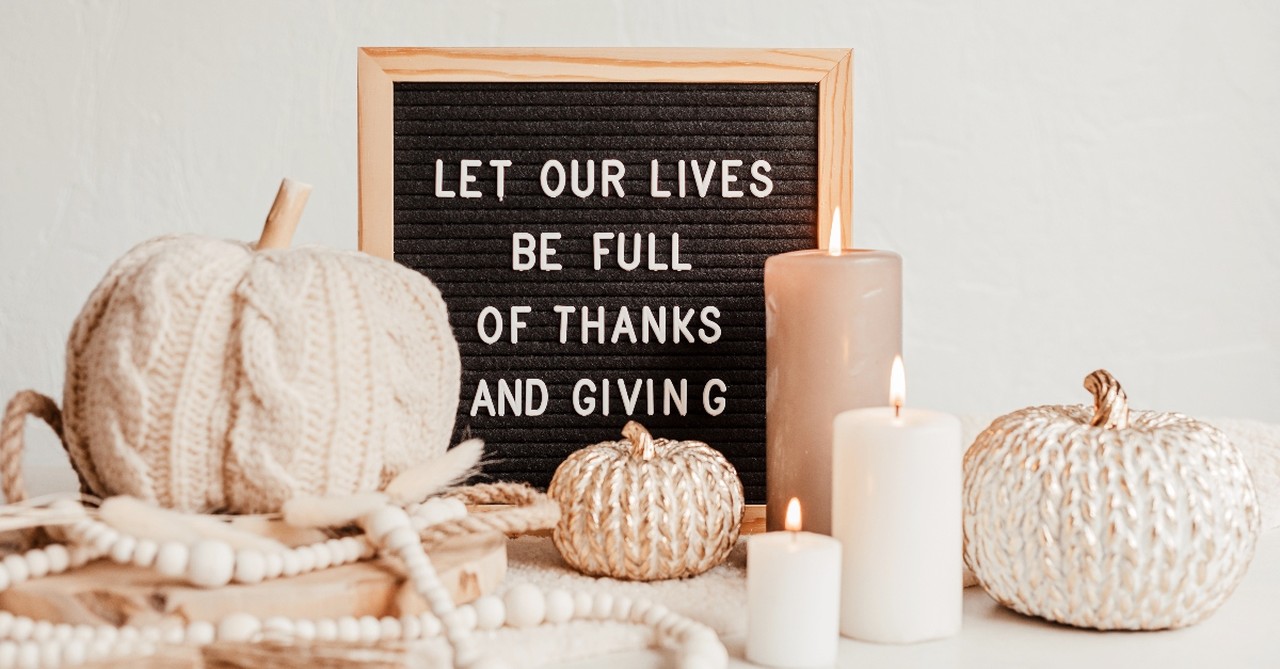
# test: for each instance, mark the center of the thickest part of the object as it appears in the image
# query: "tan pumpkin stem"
(282, 220)
(641, 440)
(1110, 405)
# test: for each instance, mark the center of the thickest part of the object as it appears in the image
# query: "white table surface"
(1244, 633)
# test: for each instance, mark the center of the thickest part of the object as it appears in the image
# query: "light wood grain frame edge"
(376, 162)
(835, 151)
(380, 67)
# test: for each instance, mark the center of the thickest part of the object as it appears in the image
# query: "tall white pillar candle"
(896, 482)
(793, 596)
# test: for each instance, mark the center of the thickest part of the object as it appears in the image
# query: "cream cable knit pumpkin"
(204, 375)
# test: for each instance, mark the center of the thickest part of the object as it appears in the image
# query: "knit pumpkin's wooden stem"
(1110, 405)
(641, 440)
(282, 220)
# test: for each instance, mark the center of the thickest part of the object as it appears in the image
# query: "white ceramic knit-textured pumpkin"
(1105, 518)
(646, 509)
(204, 374)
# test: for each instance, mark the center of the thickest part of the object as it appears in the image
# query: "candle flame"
(792, 522)
(897, 386)
(835, 240)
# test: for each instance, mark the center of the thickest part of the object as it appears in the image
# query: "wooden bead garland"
(25, 642)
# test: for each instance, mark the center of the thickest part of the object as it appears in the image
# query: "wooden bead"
(277, 628)
(22, 628)
(171, 559)
(583, 605)
(28, 656)
(50, 654)
(84, 632)
(273, 564)
(239, 627)
(103, 541)
(460, 620)
(64, 632)
(656, 614)
(391, 629)
(174, 635)
(211, 565)
(73, 653)
(108, 633)
(42, 630)
(306, 559)
(251, 566)
(144, 554)
(382, 521)
(430, 625)
(122, 550)
(337, 552)
(99, 648)
(621, 609)
(400, 539)
(304, 629)
(703, 654)
(58, 558)
(291, 564)
(603, 606)
(17, 568)
(411, 627)
(490, 612)
(559, 606)
(353, 548)
(348, 629)
(370, 628)
(150, 633)
(526, 606)
(326, 629)
(37, 563)
(323, 556)
(200, 633)
(79, 556)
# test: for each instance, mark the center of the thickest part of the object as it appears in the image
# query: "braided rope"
(1110, 405)
(531, 510)
(12, 442)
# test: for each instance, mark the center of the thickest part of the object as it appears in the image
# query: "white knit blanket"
(718, 597)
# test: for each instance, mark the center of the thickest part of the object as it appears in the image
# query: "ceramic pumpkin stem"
(1110, 405)
(282, 220)
(641, 440)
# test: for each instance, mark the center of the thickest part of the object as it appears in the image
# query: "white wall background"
(1072, 185)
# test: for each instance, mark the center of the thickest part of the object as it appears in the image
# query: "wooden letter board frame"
(381, 68)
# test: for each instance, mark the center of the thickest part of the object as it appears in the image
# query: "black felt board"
(464, 246)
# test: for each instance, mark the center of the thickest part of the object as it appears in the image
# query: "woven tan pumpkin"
(645, 509)
(1105, 518)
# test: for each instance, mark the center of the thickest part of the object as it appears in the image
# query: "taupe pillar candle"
(833, 323)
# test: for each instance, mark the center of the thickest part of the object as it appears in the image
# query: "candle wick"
(793, 537)
(897, 411)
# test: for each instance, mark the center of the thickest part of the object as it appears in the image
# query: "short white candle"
(896, 477)
(793, 596)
